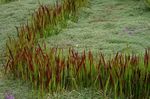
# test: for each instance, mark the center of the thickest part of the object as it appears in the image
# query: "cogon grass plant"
(51, 71)
(48, 20)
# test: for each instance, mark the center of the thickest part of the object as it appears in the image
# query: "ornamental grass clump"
(48, 20)
(44, 22)
(52, 70)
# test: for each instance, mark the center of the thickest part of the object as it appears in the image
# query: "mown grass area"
(5, 1)
(116, 31)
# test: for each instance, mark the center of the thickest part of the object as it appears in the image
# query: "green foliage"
(147, 3)
(5, 1)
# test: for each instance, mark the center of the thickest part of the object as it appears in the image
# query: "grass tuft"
(51, 71)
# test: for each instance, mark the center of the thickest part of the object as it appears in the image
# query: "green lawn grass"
(107, 26)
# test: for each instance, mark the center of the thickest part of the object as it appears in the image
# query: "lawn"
(107, 26)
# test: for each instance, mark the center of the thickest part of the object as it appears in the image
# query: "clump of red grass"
(51, 70)
(48, 20)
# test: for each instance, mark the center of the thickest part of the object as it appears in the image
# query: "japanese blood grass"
(49, 20)
(50, 70)
(46, 21)
(28, 34)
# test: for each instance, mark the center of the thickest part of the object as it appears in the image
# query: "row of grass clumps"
(48, 20)
(51, 70)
